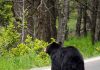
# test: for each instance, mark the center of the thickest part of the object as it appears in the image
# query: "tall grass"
(16, 63)
(24, 62)
(85, 46)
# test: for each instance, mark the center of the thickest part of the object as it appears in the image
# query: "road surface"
(90, 64)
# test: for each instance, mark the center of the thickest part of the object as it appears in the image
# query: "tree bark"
(85, 20)
(93, 19)
(79, 19)
(17, 11)
(45, 27)
(62, 19)
(97, 34)
(29, 7)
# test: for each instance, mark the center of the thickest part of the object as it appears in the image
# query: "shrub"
(9, 38)
(39, 46)
(21, 49)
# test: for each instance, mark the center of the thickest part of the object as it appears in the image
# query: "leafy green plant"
(41, 57)
(9, 38)
(39, 46)
(21, 49)
(6, 15)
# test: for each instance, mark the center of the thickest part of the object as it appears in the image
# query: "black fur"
(65, 58)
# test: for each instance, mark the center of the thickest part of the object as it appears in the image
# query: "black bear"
(65, 58)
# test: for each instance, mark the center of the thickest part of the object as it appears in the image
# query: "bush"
(39, 46)
(21, 49)
(41, 58)
(35, 49)
(9, 38)
(21, 55)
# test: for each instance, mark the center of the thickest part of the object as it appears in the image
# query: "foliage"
(36, 46)
(85, 46)
(31, 53)
(9, 38)
(42, 57)
(39, 46)
(16, 63)
(18, 56)
(25, 55)
(21, 49)
(5, 12)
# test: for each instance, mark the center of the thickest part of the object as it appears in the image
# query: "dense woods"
(39, 18)
(42, 16)
(89, 10)
(28, 26)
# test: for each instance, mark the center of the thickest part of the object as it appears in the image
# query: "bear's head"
(52, 47)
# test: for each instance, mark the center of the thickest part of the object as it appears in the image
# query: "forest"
(28, 26)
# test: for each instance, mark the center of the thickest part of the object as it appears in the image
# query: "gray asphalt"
(90, 64)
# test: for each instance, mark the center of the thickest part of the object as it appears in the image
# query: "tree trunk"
(97, 34)
(68, 17)
(29, 7)
(79, 18)
(85, 20)
(93, 19)
(45, 27)
(63, 19)
(18, 10)
(88, 21)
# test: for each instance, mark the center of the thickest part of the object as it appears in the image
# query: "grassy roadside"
(27, 61)
(85, 46)
(31, 60)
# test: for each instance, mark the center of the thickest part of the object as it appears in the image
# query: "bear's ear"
(54, 44)
(60, 43)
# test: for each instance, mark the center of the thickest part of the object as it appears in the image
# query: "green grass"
(16, 63)
(85, 46)
(28, 61)
(24, 62)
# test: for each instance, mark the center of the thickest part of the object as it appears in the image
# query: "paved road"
(90, 64)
